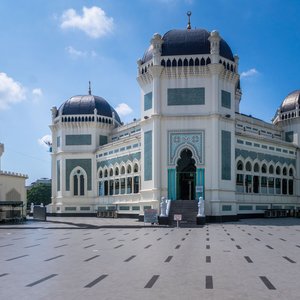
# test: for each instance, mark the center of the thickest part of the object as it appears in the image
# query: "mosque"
(191, 139)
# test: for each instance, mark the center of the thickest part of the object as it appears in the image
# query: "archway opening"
(186, 176)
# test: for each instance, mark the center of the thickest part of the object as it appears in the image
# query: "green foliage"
(40, 193)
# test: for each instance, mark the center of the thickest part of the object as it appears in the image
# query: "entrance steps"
(187, 208)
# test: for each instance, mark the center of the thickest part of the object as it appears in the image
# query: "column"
(172, 183)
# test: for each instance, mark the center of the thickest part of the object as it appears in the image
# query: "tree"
(39, 193)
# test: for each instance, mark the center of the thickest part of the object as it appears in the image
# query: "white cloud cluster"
(37, 92)
(249, 73)
(11, 91)
(123, 109)
(93, 21)
(74, 53)
(45, 141)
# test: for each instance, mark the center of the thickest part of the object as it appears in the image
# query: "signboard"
(177, 217)
(39, 213)
(150, 216)
(199, 189)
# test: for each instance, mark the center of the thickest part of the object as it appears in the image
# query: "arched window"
(129, 169)
(191, 62)
(123, 170)
(240, 166)
(105, 173)
(100, 174)
(264, 168)
(179, 62)
(163, 63)
(81, 185)
(117, 171)
(135, 168)
(174, 63)
(271, 169)
(168, 63)
(256, 167)
(208, 61)
(202, 62)
(284, 171)
(291, 173)
(185, 62)
(78, 183)
(248, 167)
(111, 172)
(278, 170)
(75, 179)
(197, 62)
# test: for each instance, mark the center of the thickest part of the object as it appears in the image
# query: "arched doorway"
(186, 176)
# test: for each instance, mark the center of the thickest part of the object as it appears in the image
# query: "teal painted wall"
(78, 139)
(186, 96)
(226, 155)
(226, 99)
(85, 164)
(148, 155)
(172, 184)
(148, 101)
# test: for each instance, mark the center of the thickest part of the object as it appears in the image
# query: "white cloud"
(249, 73)
(74, 53)
(37, 92)
(45, 141)
(94, 22)
(123, 109)
(11, 91)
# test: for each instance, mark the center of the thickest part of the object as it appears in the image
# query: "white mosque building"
(191, 140)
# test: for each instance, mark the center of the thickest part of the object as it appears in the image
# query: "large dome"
(85, 105)
(290, 101)
(188, 42)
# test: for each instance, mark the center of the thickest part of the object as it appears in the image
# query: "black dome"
(85, 105)
(290, 101)
(188, 42)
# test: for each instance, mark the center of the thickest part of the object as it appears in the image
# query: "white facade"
(12, 185)
(191, 141)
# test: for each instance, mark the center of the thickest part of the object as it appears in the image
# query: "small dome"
(188, 42)
(85, 105)
(290, 101)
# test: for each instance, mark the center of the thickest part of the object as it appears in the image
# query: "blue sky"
(50, 49)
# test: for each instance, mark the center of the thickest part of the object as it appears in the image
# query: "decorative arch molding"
(182, 148)
(78, 172)
(84, 164)
(13, 195)
(192, 140)
(252, 155)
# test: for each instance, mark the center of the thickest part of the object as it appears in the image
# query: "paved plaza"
(89, 258)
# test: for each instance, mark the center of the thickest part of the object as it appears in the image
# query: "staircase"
(187, 208)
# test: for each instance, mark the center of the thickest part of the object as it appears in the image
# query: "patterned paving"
(252, 259)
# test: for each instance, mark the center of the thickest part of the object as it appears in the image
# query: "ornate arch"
(192, 140)
(78, 171)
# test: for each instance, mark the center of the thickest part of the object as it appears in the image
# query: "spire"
(189, 13)
(90, 91)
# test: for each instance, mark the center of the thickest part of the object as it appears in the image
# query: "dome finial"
(189, 13)
(90, 91)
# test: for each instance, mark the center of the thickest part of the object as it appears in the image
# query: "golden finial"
(189, 13)
(90, 91)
